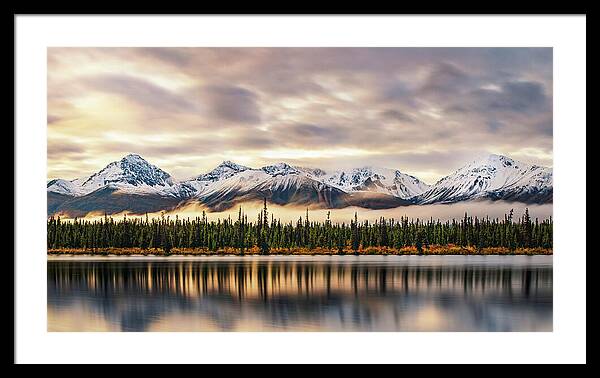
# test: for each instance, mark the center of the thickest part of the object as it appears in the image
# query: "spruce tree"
(264, 243)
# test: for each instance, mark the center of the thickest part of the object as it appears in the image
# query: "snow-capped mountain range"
(135, 185)
(381, 180)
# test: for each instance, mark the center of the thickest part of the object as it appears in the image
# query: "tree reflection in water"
(317, 294)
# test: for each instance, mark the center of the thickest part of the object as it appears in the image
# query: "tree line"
(268, 233)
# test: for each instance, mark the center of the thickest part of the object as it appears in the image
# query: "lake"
(300, 293)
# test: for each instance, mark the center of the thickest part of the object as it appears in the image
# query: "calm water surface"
(300, 293)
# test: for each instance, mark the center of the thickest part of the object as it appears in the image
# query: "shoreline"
(408, 251)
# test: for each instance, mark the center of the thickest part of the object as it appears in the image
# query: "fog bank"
(443, 212)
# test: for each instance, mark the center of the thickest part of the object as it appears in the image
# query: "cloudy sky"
(424, 111)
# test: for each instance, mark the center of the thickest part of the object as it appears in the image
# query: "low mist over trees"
(267, 234)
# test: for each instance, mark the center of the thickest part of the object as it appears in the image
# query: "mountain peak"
(222, 171)
(133, 158)
(493, 162)
(317, 172)
(488, 158)
(131, 171)
(232, 165)
(382, 180)
(280, 168)
(281, 164)
(493, 176)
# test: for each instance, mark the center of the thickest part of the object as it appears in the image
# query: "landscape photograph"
(315, 189)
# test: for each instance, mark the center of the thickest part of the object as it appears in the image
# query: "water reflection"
(302, 294)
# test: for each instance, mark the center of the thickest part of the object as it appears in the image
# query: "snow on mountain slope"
(230, 178)
(273, 177)
(223, 171)
(207, 182)
(495, 177)
(284, 184)
(280, 183)
(281, 169)
(132, 174)
(283, 177)
(69, 188)
(379, 180)
(312, 172)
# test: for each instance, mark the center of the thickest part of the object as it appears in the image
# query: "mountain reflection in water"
(320, 293)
